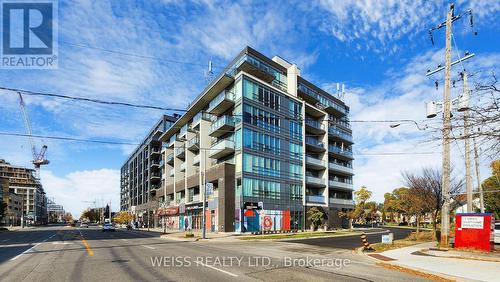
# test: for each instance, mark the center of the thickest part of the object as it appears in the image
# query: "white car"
(497, 233)
(108, 227)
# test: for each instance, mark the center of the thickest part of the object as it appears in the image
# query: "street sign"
(209, 187)
(387, 238)
(260, 205)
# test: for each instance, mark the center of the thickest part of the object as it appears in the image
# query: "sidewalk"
(179, 235)
(452, 268)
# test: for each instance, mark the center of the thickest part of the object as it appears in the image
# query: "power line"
(160, 59)
(64, 138)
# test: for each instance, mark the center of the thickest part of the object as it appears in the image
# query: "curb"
(414, 270)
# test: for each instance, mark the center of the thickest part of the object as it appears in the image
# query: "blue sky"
(379, 49)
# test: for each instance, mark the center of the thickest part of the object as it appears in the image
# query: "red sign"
(268, 222)
(168, 211)
(473, 231)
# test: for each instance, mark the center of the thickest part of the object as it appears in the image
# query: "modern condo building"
(141, 173)
(269, 142)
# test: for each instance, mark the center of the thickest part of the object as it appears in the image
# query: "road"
(74, 254)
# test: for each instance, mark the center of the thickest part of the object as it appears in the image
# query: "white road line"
(29, 250)
(148, 247)
(5, 240)
(125, 240)
(218, 269)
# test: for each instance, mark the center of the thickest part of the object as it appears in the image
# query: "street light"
(419, 127)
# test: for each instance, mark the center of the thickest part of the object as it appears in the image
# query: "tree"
(315, 216)
(491, 190)
(429, 182)
(68, 217)
(394, 203)
(91, 215)
(362, 195)
(122, 217)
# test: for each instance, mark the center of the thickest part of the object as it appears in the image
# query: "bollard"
(366, 245)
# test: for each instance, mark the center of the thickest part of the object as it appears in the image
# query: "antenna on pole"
(209, 73)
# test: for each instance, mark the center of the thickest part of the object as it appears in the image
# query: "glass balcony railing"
(314, 142)
(314, 161)
(180, 152)
(340, 133)
(314, 123)
(222, 126)
(310, 179)
(194, 143)
(315, 199)
(170, 158)
(223, 101)
(322, 100)
(347, 202)
(340, 122)
(340, 167)
(222, 148)
(279, 80)
(199, 116)
(340, 151)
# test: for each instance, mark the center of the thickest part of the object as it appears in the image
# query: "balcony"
(155, 151)
(196, 160)
(328, 105)
(315, 145)
(172, 140)
(340, 168)
(183, 167)
(314, 163)
(170, 159)
(155, 163)
(155, 175)
(315, 126)
(340, 122)
(316, 199)
(221, 103)
(222, 149)
(339, 184)
(180, 153)
(194, 144)
(335, 132)
(183, 132)
(256, 67)
(199, 116)
(222, 126)
(171, 172)
(345, 153)
(194, 198)
(314, 181)
(344, 202)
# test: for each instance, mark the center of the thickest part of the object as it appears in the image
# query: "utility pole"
(468, 176)
(445, 210)
(479, 185)
(203, 216)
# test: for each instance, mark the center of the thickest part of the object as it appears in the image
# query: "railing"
(170, 157)
(193, 141)
(342, 201)
(199, 116)
(340, 184)
(340, 151)
(314, 142)
(340, 167)
(265, 68)
(183, 130)
(172, 140)
(315, 161)
(314, 180)
(315, 199)
(196, 159)
(224, 95)
(322, 100)
(342, 134)
(222, 121)
(179, 151)
(340, 122)
(315, 124)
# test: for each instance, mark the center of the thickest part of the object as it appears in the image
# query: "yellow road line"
(89, 250)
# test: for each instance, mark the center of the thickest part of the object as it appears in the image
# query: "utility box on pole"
(473, 231)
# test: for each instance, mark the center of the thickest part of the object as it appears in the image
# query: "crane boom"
(38, 158)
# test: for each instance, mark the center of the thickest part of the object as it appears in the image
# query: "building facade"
(55, 212)
(141, 174)
(23, 182)
(270, 143)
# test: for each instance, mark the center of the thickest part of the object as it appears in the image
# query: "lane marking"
(148, 247)
(89, 250)
(218, 269)
(125, 240)
(29, 250)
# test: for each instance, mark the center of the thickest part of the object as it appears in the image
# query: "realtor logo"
(29, 34)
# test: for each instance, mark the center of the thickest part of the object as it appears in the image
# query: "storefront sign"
(194, 207)
(472, 222)
(168, 211)
(268, 222)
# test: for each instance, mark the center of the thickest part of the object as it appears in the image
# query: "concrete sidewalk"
(451, 268)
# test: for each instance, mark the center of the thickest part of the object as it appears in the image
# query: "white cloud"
(77, 190)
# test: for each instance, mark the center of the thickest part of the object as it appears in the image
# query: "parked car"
(496, 234)
(84, 225)
(108, 227)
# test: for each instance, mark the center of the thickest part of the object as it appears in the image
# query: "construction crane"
(38, 158)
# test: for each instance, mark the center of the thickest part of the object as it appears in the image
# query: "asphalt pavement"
(72, 254)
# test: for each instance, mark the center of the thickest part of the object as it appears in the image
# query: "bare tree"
(428, 184)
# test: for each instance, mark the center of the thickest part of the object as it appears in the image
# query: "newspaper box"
(473, 231)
